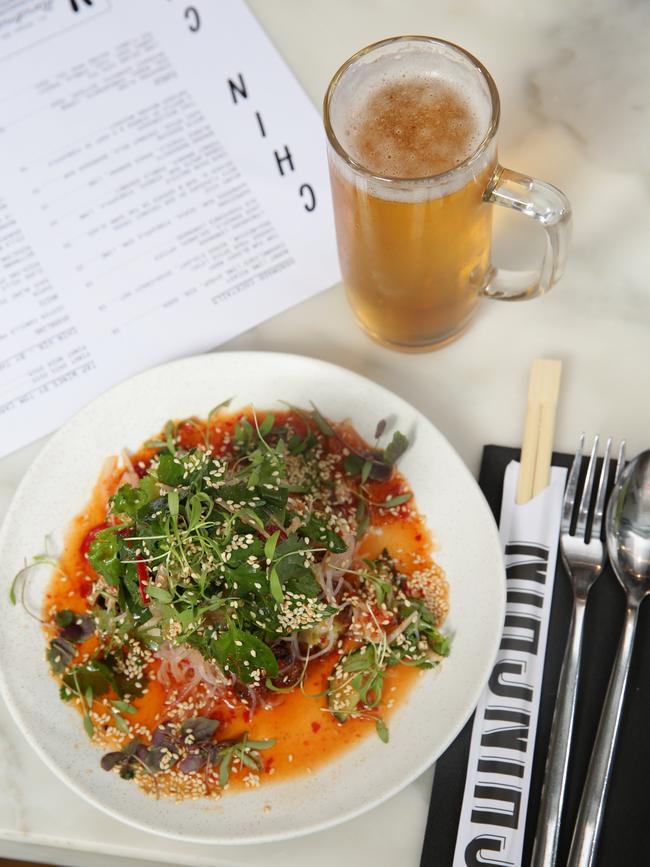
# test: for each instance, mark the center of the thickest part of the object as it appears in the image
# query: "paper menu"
(163, 187)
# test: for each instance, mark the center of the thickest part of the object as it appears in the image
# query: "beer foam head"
(413, 109)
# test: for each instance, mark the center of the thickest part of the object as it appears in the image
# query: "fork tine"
(600, 496)
(620, 463)
(583, 511)
(571, 487)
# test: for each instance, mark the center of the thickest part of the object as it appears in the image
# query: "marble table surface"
(574, 79)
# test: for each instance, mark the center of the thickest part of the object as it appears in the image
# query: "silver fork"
(583, 561)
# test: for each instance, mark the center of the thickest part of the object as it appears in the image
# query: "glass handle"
(549, 207)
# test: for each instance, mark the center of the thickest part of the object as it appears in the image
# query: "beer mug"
(411, 124)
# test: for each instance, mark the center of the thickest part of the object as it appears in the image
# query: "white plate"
(57, 486)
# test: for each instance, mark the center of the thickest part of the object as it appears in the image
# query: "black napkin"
(625, 839)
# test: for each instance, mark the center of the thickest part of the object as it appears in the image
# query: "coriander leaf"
(129, 500)
(170, 470)
(240, 652)
(91, 674)
(245, 580)
(317, 531)
(103, 555)
(290, 558)
(304, 583)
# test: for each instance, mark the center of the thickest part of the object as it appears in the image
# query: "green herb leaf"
(129, 500)
(319, 534)
(120, 723)
(269, 546)
(382, 730)
(395, 448)
(218, 408)
(169, 437)
(267, 424)
(224, 769)
(241, 652)
(170, 470)
(124, 706)
(395, 501)
(362, 518)
(159, 593)
(276, 586)
(103, 555)
(92, 675)
(172, 503)
(321, 423)
(64, 617)
(60, 654)
(88, 725)
(261, 745)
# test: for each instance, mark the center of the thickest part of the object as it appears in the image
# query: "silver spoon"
(627, 530)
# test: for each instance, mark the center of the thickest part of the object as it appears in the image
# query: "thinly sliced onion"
(186, 667)
(330, 634)
(331, 641)
(401, 627)
(129, 476)
(333, 567)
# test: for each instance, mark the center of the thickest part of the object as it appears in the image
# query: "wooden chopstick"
(539, 428)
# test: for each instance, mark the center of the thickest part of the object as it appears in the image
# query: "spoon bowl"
(627, 528)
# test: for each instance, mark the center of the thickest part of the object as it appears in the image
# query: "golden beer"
(413, 271)
(411, 155)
